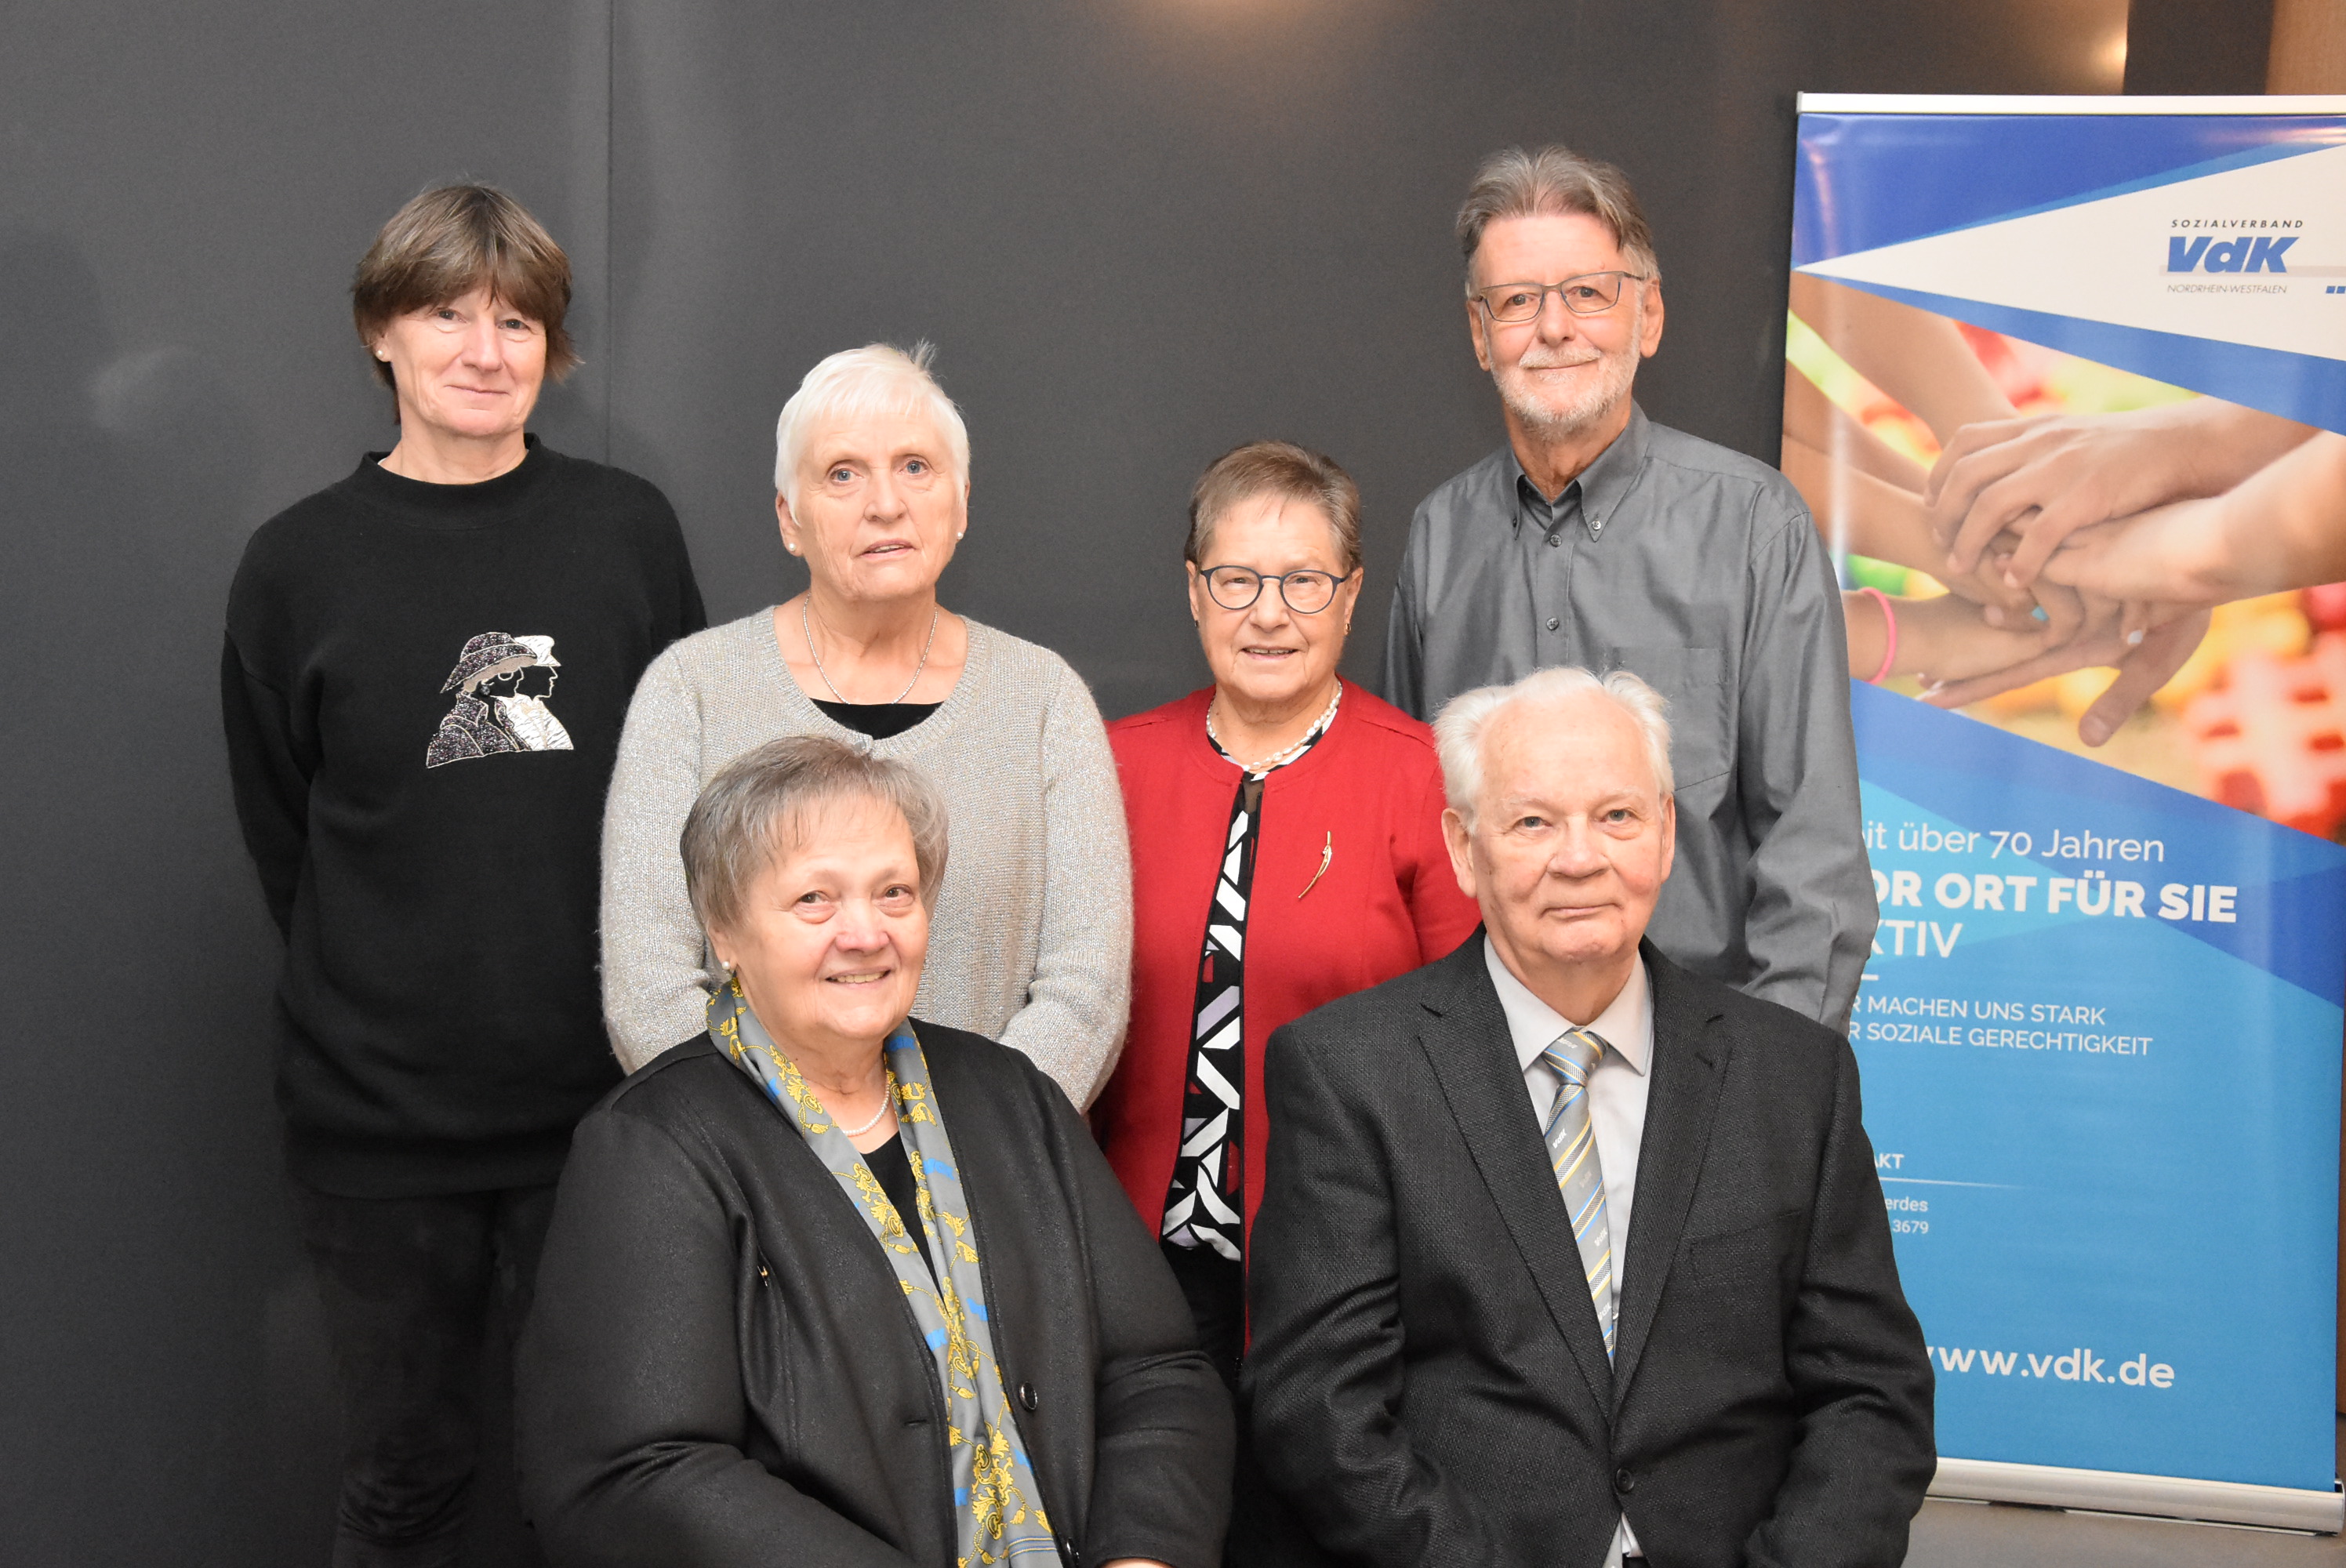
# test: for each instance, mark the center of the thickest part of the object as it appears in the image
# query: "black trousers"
(1216, 1289)
(407, 1285)
(1262, 1530)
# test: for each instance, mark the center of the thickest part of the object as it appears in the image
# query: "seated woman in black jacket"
(830, 1286)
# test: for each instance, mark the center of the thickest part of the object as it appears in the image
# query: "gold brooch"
(1327, 858)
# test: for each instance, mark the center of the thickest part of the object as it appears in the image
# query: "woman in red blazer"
(1286, 851)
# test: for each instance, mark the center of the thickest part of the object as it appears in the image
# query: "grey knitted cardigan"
(1032, 939)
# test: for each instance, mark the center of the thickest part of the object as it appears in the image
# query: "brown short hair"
(1276, 468)
(450, 241)
(765, 803)
(1513, 183)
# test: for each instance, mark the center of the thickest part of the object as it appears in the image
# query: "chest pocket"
(1694, 682)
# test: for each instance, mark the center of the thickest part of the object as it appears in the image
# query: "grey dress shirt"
(1698, 569)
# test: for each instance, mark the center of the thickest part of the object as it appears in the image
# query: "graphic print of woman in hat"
(501, 708)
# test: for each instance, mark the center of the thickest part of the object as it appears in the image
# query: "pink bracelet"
(1890, 619)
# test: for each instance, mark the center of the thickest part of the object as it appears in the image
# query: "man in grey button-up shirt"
(1597, 538)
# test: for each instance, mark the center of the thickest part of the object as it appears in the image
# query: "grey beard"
(1620, 371)
(1592, 407)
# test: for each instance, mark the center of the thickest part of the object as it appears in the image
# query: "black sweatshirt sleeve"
(690, 616)
(271, 788)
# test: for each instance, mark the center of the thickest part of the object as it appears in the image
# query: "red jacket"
(1387, 903)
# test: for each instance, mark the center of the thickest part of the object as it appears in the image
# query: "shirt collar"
(1627, 1025)
(1602, 485)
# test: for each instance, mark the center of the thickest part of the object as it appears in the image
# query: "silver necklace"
(1285, 754)
(807, 627)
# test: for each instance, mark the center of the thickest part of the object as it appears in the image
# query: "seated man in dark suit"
(1567, 1256)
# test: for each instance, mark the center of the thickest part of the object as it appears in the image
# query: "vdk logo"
(2257, 253)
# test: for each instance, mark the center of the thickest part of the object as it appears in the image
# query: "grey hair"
(1466, 718)
(1513, 183)
(763, 803)
(878, 378)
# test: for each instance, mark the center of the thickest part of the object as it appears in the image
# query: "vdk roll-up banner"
(2066, 384)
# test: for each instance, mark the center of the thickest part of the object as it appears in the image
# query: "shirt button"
(1596, 525)
(1623, 1481)
(1553, 623)
(1554, 540)
(1026, 1396)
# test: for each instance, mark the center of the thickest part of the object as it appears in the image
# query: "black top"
(422, 687)
(893, 1168)
(878, 719)
(720, 1357)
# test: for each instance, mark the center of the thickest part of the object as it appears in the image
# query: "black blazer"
(1427, 1380)
(720, 1369)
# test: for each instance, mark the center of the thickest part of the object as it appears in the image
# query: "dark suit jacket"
(720, 1369)
(1427, 1380)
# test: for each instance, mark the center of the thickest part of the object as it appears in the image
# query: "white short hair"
(1465, 719)
(879, 378)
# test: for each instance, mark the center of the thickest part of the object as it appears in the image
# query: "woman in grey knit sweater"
(1032, 938)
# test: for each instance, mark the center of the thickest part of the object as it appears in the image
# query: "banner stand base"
(2165, 1496)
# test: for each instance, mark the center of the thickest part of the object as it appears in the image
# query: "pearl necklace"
(806, 626)
(886, 1102)
(1285, 754)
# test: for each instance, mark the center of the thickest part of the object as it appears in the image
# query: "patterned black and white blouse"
(1205, 1199)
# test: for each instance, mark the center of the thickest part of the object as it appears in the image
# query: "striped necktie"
(1572, 1151)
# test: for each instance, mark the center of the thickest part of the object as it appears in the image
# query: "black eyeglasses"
(1237, 587)
(1589, 294)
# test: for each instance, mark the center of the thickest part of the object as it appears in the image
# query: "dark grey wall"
(1143, 233)
(2198, 46)
(183, 193)
(1139, 232)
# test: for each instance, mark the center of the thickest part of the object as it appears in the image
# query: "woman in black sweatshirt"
(425, 812)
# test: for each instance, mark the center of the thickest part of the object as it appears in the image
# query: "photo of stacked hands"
(2078, 554)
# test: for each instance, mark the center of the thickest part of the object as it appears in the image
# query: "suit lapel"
(1689, 1062)
(1474, 1059)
